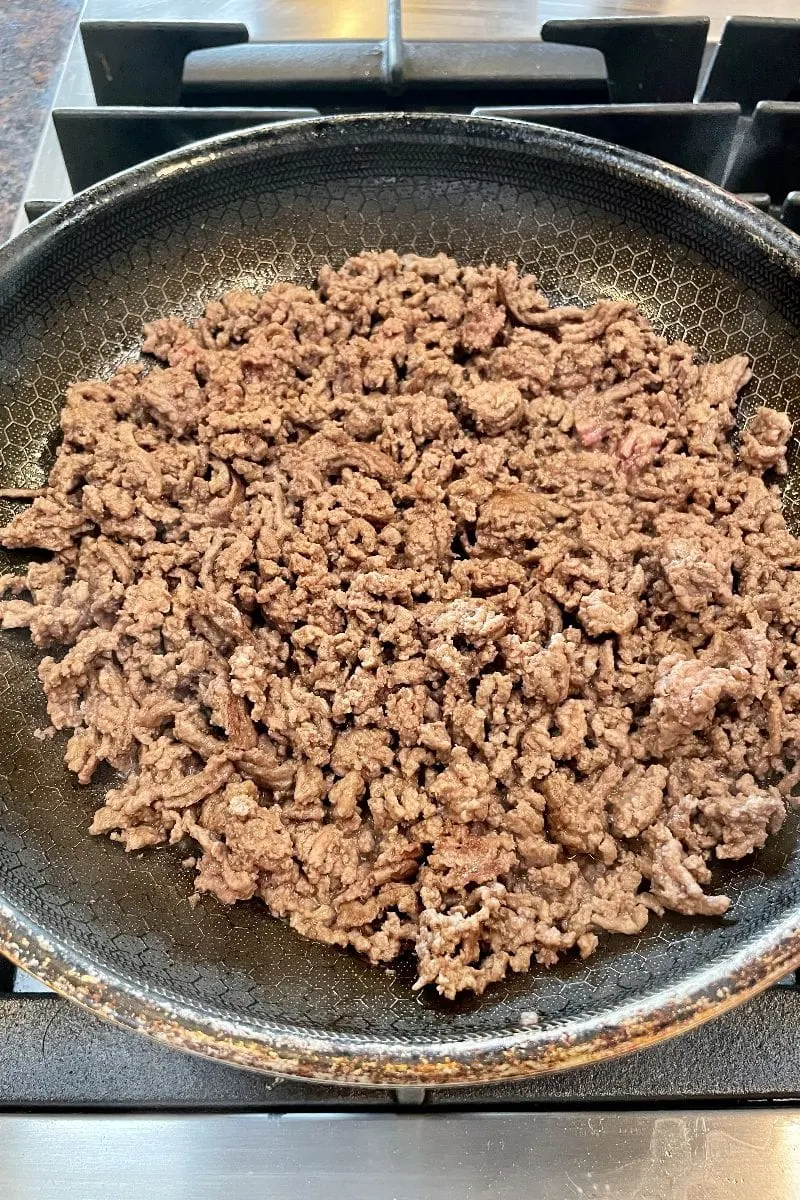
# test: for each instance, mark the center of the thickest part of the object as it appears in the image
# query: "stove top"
(701, 1115)
(145, 78)
(90, 1110)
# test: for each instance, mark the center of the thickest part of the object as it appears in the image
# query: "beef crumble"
(434, 616)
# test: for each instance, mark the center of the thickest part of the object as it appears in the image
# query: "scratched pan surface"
(116, 932)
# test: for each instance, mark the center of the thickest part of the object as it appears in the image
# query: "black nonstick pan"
(116, 933)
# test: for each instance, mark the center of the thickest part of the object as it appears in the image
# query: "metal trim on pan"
(362, 1061)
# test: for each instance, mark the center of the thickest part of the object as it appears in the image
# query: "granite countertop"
(33, 42)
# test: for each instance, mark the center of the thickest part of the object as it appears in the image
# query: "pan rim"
(708, 197)
(355, 1059)
(359, 1061)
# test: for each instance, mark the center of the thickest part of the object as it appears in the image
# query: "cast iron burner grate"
(136, 88)
(729, 111)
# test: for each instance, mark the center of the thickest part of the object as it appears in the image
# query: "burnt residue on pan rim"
(355, 1061)
(350, 1059)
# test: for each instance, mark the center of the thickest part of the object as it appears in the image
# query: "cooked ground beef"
(435, 617)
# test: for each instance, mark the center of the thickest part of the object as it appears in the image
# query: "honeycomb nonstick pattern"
(246, 210)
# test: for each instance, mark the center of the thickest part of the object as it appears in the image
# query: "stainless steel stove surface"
(91, 1110)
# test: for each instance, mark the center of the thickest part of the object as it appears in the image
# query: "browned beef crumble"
(433, 616)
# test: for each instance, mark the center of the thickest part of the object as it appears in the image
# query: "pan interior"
(272, 207)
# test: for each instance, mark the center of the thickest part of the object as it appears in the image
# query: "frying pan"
(115, 932)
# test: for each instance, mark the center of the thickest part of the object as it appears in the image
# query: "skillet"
(591, 220)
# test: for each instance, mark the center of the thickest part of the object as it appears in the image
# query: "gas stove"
(91, 1110)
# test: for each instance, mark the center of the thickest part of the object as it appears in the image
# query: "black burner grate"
(728, 112)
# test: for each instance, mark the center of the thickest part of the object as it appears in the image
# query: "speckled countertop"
(34, 35)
